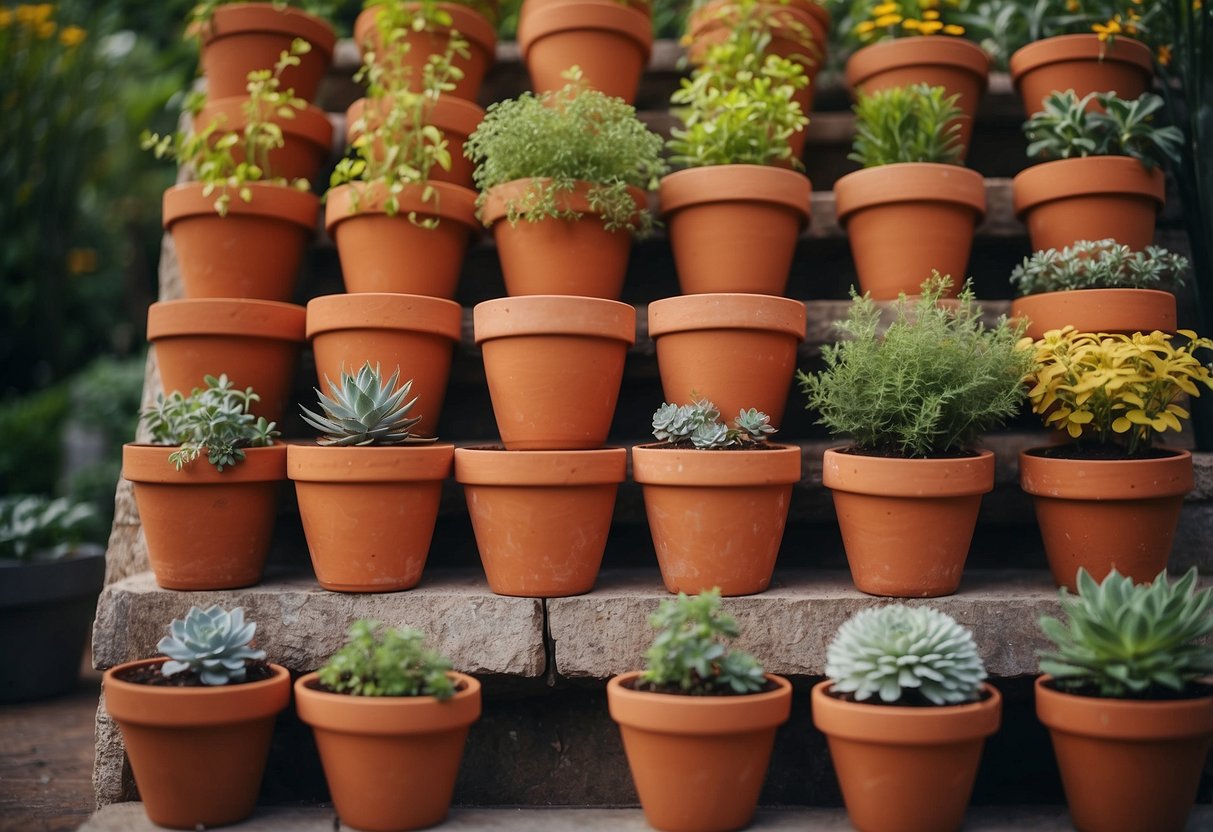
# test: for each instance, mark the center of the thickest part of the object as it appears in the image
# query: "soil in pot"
(1097, 310)
(454, 117)
(1082, 63)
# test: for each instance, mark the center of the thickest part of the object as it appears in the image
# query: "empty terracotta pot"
(454, 117)
(1082, 63)
(1097, 310)
(307, 136)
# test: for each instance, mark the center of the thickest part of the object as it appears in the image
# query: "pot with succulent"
(913, 401)
(698, 723)
(1105, 179)
(913, 208)
(906, 714)
(390, 719)
(563, 176)
(716, 496)
(1127, 699)
(197, 724)
(1110, 499)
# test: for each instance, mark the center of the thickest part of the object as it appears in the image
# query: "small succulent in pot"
(1067, 128)
(366, 409)
(915, 123)
(34, 527)
(210, 647)
(378, 661)
(698, 425)
(1099, 264)
(214, 419)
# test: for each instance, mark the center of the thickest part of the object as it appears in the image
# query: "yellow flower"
(884, 9)
(1072, 5)
(6, 17)
(928, 4)
(930, 15)
(46, 29)
(930, 27)
(953, 29)
(865, 27)
(1106, 30)
(72, 36)
(887, 20)
(1164, 55)
(34, 15)
(81, 261)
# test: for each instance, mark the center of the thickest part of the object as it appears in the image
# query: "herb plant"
(1066, 129)
(35, 527)
(212, 644)
(214, 419)
(1127, 641)
(385, 662)
(1099, 264)
(697, 425)
(428, 14)
(931, 384)
(917, 123)
(364, 409)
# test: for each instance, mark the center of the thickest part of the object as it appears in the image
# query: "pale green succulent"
(1123, 640)
(898, 653)
(699, 425)
(366, 410)
(212, 643)
(1099, 264)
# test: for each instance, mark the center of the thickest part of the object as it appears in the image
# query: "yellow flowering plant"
(876, 21)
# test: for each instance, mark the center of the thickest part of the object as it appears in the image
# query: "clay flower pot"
(541, 518)
(390, 761)
(904, 220)
(907, 523)
(1127, 764)
(610, 41)
(415, 333)
(734, 228)
(307, 136)
(958, 65)
(554, 366)
(1097, 310)
(197, 753)
(253, 252)
(1103, 514)
(717, 517)
(255, 342)
(555, 256)
(737, 350)
(393, 254)
(454, 117)
(1082, 63)
(1091, 198)
(905, 769)
(244, 37)
(368, 513)
(698, 762)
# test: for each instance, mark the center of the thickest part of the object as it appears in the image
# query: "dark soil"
(316, 684)
(896, 453)
(688, 445)
(909, 699)
(1194, 690)
(1099, 452)
(637, 685)
(149, 674)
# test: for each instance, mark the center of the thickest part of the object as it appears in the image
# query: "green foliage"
(214, 419)
(366, 410)
(212, 643)
(33, 527)
(104, 395)
(690, 654)
(931, 384)
(200, 16)
(385, 662)
(918, 123)
(698, 425)
(902, 653)
(32, 426)
(1129, 641)
(427, 14)
(1066, 129)
(1099, 264)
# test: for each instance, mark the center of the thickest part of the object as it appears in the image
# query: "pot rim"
(813, 16)
(727, 310)
(384, 310)
(1079, 47)
(669, 713)
(931, 478)
(558, 17)
(495, 466)
(1137, 309)
(494, 211)
(388, 715)
(241, 18)
(1122, 719)
(370, 463)
(143, 462)
(653, 464)
(530, 315)
(187, 200)
(905, 725)
(310, 124)
(456, 116)
(909, 182)
(1100, 175)
(917, 51)
(455, 203)
(472, 25)
(708, 184)
(235, 317)
(1129, 479)
(176, 707)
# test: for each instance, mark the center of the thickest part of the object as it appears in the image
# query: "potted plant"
(913, 401)
(906, 714)
(698, 723)
(913, 208)
(562, 176)
(197, 724)
(716, 497)
(1110, 499)
(1098, 286)
(390, 719)
(208, 522)
(1127, 700)
(1105, 178)
(368, 498)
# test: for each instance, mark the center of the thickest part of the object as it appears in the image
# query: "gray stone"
(112, 779)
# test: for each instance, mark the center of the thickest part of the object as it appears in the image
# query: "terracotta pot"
(905, 769)
(737, 350)
(368, 513)
(959, 66)
(544, 353)
(904, 220)
(454, 117)
(1091, 198)
(717, 517)
(415, 333)
(390, 761)
(734, 228)
(541, 518)
(255, 342)
(1082, 63)
(197, 753)
(610, 41)
(1097, 310)
(245, 37)
(480, 34)
(253, 252)
(698, 762)
(1127, 764)
(1104, 514)
(307, 137)
(907, 523)
(393, 254)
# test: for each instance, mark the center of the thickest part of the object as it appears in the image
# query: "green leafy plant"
(1066, 129)
(905, 656)
(697, 425)
(1099, 264)
(1130, 641)
(427, 14)
(211, 643)
(918, 123)
(214, 419)
(35, 527)
(364, 409)
(385, 662)
(690, 655)
(200, 15)
(931, 384)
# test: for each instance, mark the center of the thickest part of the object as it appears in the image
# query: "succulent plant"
(384, 662)
(1130, 641)
(1099, 264)
(215, 419)
(902, 653)
(366, 410)
(1067, 127)
(698, 424)
(212, 643)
